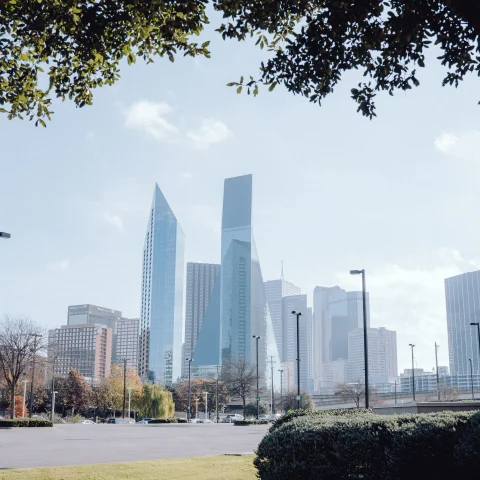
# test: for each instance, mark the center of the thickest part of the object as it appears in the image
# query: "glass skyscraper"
(243, 306)
(161, 315)
(462, 295)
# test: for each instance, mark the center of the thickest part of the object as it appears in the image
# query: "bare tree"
(289, 401)
(240, 379)
(449, 394)
(19, 344)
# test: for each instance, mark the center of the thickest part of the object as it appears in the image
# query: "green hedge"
(25, 422)
(443, 446)
(163, 420)
(250, 422)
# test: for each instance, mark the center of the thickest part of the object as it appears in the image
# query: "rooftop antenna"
(282, 272)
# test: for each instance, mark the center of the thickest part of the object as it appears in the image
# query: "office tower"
(275, 290)
(243, 305)
(201, 278)
(462, 294)
(298, 303)
(125, 331)
(125, 344)
(336, 313)
(86, 348)
(333, 374)
(382, 356)
(161, 317)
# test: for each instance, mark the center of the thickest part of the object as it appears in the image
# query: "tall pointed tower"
(162, 295)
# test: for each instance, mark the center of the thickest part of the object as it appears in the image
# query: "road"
(66, 445)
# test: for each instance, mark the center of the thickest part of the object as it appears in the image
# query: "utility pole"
(53, 390)
(471, 377)
(395, 392)
(281, 389)
(272, 404)
(129, 398)
(216, 399)
(189, 409)
(24, 397)
(298, 315)
(436, 367)
(124, 385)
(257, 338)
(35, 336)
(413, 372)
(206, 405)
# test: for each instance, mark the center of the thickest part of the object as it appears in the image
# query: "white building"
(333, 374)
(382, 356)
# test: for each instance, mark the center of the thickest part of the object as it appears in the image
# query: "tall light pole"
(436, 366)
(413, 372)
(272, 396)
(298, 315)
(257, 338)
(281, 389)
(477, 324)
(206, 404)
(124, 385)
(216, 398)
(471, 377)
(53, 391)
(34, 351)
(365, 333)
(4, 235)
(24, 396)
(189, 409)
(196, 407)
(129, 398)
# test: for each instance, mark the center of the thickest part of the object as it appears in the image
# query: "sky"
(333, 191)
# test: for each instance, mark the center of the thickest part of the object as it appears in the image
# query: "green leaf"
(239, 89)
(272, 86)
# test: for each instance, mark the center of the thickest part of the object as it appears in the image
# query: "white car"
(205, 420)
(85, 422)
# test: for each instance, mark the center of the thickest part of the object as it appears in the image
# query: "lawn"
(199, 468)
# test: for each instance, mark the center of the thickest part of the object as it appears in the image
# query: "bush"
(250, 422)
(337, 445)
(163, 420)
(25, 422)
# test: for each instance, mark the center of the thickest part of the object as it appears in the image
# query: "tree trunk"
(12, 401)
(244, 408)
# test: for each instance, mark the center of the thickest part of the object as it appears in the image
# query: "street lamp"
(477, 324)
(206, 404)
(257, 338)
(436, 365)
(24, 396)
(281, 388)
(365, 333)
(189, 411)
(471, 377)
(298, 315)
(53, 391)
(4, 235)
(124, 385)
(196, 407)
(413, 372)
(129, 398)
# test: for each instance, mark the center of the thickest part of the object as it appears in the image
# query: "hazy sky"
(333, 191)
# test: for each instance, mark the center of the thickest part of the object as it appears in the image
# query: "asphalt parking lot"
(65, 445)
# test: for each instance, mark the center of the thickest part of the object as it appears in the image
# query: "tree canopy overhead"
(78, 45)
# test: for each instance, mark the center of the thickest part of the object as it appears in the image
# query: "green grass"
(199, 468)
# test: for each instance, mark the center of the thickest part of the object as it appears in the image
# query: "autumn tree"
(21, 341)
(73, 391)
(53, 48)
(115, 387)
(240, 379)
(18, 407)
(157, 402)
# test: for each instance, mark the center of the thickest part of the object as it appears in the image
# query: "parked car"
(194, 420)
(275, 416)
(232, 417)
(144, 421)
(85, 422)
(112, 420)
(205, 420)
(41, 417)
(263, 417)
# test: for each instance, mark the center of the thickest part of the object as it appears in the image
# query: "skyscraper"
(161, 315)
(298, 303)
(243, 305)
(275, 290)
(382, 356)
(462, 295)
(201, 278)
(336, 314)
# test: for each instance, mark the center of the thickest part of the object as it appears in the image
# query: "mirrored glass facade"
(161, 315)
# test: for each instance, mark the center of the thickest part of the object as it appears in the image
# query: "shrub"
(25, 422)
(337, 445)
(250, 422)
(163, 420)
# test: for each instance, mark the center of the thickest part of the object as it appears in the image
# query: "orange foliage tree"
(18, 407)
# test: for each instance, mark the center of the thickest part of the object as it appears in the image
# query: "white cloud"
(113, 220)
(411, 301)
(212, 131)
(59, 266)
(465, 145)
(148, 117)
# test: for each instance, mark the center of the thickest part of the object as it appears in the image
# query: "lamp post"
(189, 409)
(413, 372)
(216, 398)
(477, 324)
(196, 407)
(365, 333)
(436, 366)
(4, 235)
(53, 391)
(471, 376)
(281, 389)
(257, 338)
(34, 351)
(24, 396)
(129, 398)
(298, 315)
(124, 386)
